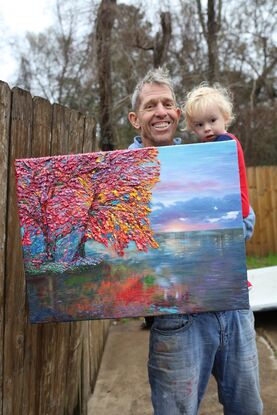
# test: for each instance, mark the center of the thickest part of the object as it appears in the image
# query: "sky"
(16, 18)
(197, 196)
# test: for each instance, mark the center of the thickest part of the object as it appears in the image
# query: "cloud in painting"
(229, 216)
(197, 214)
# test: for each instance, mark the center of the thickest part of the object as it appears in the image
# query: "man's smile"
(161, 125)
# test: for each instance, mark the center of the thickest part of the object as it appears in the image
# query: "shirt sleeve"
(243, 182)
(248, 224)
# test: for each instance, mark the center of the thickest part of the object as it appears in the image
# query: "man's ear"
(133, 118)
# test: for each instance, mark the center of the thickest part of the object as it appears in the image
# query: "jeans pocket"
(246, 323)
(244, 311)
(172, 325)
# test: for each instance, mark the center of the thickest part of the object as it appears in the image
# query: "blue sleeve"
(248, 224)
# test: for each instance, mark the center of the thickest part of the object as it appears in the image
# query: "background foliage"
(96, 51)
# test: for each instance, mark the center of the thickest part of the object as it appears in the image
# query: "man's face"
(157, 116)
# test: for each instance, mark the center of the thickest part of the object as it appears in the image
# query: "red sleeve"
(243, 180)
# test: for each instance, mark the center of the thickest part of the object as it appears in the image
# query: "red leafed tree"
(102, 196)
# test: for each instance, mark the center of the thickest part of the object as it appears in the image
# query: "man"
(186, 349)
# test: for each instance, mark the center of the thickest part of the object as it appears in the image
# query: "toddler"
(208, 111)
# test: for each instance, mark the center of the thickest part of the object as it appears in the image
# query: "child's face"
(209, 124)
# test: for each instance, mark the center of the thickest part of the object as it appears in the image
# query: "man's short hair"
(154, 76)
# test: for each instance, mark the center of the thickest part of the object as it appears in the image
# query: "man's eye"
(169, 105)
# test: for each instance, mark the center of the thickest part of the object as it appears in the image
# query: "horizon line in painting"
(132, 233)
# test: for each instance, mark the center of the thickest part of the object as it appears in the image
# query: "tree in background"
(104, 25)
(204, 40)
(211, 29)
(60, 63)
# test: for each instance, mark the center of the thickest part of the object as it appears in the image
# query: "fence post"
(44, 368)
(5, 108)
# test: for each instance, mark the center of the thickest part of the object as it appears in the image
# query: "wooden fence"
(262, 183)
(45, 368)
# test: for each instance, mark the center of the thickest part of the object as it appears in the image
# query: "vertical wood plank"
(76, 132)
(73, 368)
(263, 197)
(54, 347)
(267, 211)
(32, 369)
(85, 367)
(60, 130)
(90, 144)
(46, 403)
(15, 312)
(5, 108)
(252, 244)
(58, 388)
(273, 195)
(261, 192)
(41, 133)
(74, 346)
(40, 145)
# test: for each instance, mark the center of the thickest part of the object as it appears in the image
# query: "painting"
(132, 233)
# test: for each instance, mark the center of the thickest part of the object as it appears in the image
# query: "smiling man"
(155, 113)
(186, 349)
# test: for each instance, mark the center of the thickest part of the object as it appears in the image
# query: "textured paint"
(132, 232)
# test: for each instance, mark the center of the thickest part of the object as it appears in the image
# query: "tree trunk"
(210, 31)
(80, 250)
(104, 24)
(162, 40)
(213, 27)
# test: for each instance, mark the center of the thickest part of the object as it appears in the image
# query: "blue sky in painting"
(199, 188)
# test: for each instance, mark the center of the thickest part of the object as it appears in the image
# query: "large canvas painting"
(132, 233)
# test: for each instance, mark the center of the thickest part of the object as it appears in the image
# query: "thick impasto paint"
(132, 233)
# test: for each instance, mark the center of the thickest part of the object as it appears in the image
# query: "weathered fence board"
(15, 315)
(272, 172)
(5, 107)
(60, 130)
(76, 132)
(44, 369)
(41, 134)
(90, 130)
(262, 182)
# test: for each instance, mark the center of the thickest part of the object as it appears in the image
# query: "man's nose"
(160, 110)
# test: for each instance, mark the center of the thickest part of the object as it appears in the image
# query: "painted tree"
(37, 181)
(100, 196)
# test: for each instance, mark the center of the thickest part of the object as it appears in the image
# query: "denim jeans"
(186, 349)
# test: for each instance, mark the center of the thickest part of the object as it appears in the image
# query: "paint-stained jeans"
(186, 349)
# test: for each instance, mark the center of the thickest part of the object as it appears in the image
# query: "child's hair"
(202, 97)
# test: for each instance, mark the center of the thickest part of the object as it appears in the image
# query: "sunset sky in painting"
(199, 188)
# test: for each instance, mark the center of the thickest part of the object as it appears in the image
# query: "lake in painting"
(171, 244)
